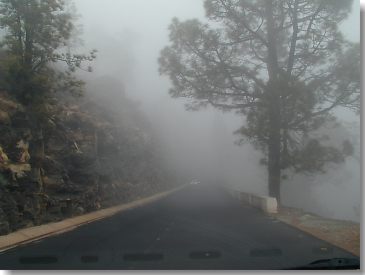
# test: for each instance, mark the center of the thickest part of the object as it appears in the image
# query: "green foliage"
(313, 156)
(38, 34)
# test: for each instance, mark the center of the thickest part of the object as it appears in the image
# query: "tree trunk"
(274, 168)
(274, 139)
(274, 142)
(38, 156)
(274, 105)
(28, 43)
(37, 150)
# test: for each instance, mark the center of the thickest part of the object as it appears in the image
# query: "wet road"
(199, 227)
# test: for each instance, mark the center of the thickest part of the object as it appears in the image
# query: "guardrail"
(265, 203)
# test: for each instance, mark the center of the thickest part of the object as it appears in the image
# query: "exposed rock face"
(95, 157)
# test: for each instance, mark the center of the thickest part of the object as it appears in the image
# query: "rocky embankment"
(95, 155)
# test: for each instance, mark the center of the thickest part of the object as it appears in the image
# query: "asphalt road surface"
(199, 227)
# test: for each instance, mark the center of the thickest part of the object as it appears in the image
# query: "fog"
(129, 35)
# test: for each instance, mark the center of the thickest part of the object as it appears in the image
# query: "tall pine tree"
(37, 36)
(284, 65)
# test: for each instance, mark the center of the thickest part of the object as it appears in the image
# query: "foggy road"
(199, 227)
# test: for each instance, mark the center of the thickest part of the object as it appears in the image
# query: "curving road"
(199, 227)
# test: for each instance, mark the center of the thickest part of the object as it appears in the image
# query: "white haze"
(129, 35)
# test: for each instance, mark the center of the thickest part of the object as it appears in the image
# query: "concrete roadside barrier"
(256, 201)
(269, 204)
(265, 203)
(28, 235)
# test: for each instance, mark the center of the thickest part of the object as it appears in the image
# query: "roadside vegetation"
(64, 149)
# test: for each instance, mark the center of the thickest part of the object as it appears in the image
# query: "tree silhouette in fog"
(283, 65)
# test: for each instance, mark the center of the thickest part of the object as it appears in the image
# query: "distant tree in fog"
(284, 65)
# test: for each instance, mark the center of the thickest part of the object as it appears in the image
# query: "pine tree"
(283, 65)
(37, 36)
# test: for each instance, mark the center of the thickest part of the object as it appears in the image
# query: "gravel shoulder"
(343, 234)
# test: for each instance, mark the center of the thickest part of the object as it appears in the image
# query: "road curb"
(29, 235)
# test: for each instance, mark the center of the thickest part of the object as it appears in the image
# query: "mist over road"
(199, 227)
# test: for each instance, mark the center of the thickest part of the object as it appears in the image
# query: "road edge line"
(36, 233)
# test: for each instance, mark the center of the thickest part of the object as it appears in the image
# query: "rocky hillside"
(97, 153)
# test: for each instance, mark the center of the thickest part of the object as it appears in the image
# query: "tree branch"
(245, 24)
